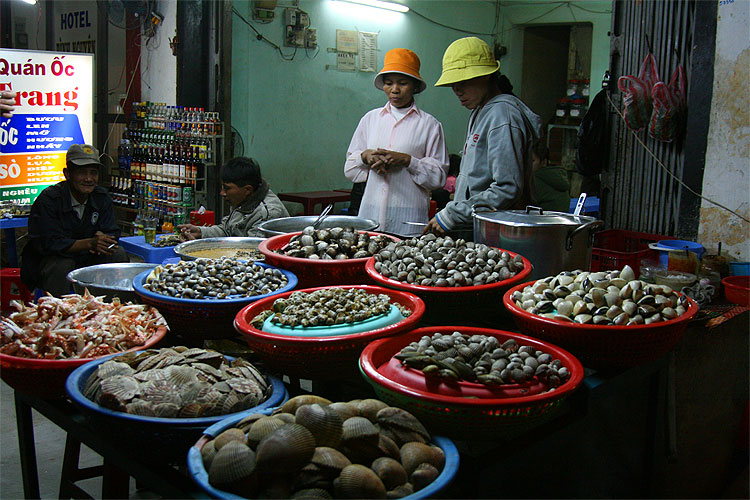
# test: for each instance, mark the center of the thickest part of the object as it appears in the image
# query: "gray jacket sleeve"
(240, 223)
(506, 154)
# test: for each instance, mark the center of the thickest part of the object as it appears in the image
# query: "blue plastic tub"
(739, 268)
(667, 246)
(165, 439)
(200, 474)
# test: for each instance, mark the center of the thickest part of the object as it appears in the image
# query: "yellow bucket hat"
(467, 58)
(402, 61)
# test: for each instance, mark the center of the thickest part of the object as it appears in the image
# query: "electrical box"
(297, 29)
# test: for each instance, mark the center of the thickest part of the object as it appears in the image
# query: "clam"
(413, 454)
(324, 423)
(390, 471)
(358, 481)
(262, 427)
(285, 450)
(423, 475)
(233, 469)
(231, 434)
(306, 399)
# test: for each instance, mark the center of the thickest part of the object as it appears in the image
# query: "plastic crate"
(614, 248)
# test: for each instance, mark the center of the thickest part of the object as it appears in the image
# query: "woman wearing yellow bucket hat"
(496, 165)
(399, 150)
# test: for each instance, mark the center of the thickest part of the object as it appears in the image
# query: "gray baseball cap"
(83, 155)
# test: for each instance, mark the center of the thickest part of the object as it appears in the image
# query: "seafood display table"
(164, 480)
(137, 245)
(309, 199)
(9, 228)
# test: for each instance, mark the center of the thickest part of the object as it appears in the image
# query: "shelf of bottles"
(162, 160)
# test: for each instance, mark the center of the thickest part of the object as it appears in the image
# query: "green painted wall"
(296, 117)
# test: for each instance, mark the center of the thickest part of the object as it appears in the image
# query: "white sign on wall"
(54, 109)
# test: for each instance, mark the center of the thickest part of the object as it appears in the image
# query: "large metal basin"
(187, 249)
(110, 280)
(284, 225)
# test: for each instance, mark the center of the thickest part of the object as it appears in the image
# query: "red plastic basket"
(737, 289)
(45, 378)
(195, 320)
(317, 272)
(455, 302)
(604, 347)
(320, 358)
(462, 417)
(614, 248)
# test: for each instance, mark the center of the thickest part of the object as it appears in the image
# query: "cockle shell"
(423, 475)
(390, 471)
(398, 420)
(324, 423)
(231, 434)
(400, 491)
(306, 399)
(311, 494)
(285, 450)
(329, 459)
(345, 410)
(369, 408)
(261, 428)
(358, 481)
(414, 453)
(233, 469)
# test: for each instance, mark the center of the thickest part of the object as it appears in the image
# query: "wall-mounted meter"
(297, 29)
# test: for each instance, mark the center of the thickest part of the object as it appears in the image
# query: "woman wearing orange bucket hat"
(496, 166)
(399, 150)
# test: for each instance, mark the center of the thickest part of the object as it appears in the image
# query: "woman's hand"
(189, 232)
(433, 227)
(7, 103)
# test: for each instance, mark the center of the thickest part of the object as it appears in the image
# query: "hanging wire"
(127, 95)
(658, 162)
(260, 36)
(411, 9)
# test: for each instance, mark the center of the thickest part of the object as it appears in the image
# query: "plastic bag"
(637, 94)
(669, 103)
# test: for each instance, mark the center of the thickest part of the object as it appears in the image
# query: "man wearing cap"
(71, 225)
(399, 150)
(496, 166)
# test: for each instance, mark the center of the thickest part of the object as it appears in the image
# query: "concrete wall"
(296, 117)
(158, 65)
(28, 24)
(726, 178)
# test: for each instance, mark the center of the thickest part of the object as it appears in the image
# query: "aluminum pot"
(186, 249)
(109, 280)
(552, 241)
(284, 225)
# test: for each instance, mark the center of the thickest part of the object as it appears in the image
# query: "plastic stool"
(12, 288)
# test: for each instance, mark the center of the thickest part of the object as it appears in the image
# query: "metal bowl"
(187, 249)
(284, 225)
(110, 280)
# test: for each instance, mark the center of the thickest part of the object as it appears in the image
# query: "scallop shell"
(160, 391)
(261, 428)
(123, 387)
(231, 434)
(413, 454)
(181, 375)
(390, 471)
(423, 475)
(285, 450)
(233, 469)
(166, 410)
(191, 410)
(358, 481)
(325, 424)
(306, 399)
(112, 367)
(140, 407)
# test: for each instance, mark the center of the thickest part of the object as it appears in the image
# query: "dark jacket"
(54, 227)
(552, 188)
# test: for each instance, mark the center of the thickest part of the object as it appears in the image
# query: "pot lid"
(532, 216)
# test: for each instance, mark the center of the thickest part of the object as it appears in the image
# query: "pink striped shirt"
(401, 194)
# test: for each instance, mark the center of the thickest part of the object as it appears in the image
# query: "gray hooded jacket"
(263, 205)
(496, 164)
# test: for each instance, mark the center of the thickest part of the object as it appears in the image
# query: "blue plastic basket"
(155, 439)
(201, 319)
(200, 474)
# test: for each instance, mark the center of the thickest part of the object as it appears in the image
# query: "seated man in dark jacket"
(71, 225)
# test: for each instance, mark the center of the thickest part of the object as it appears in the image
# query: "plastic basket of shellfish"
(331, 256)
(318, 333)
(163, 399)
(452, 276)
(200, 298)
(43, 343)
(314, 448)
(608, 319)
(472, 383)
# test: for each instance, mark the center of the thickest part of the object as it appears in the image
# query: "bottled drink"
(138, 225)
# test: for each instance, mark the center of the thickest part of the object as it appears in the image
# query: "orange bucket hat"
(402, 61)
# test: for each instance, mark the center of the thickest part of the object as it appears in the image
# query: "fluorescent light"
(381, 4)
(30, 2)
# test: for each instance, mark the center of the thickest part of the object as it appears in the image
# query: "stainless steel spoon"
(322, 216)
